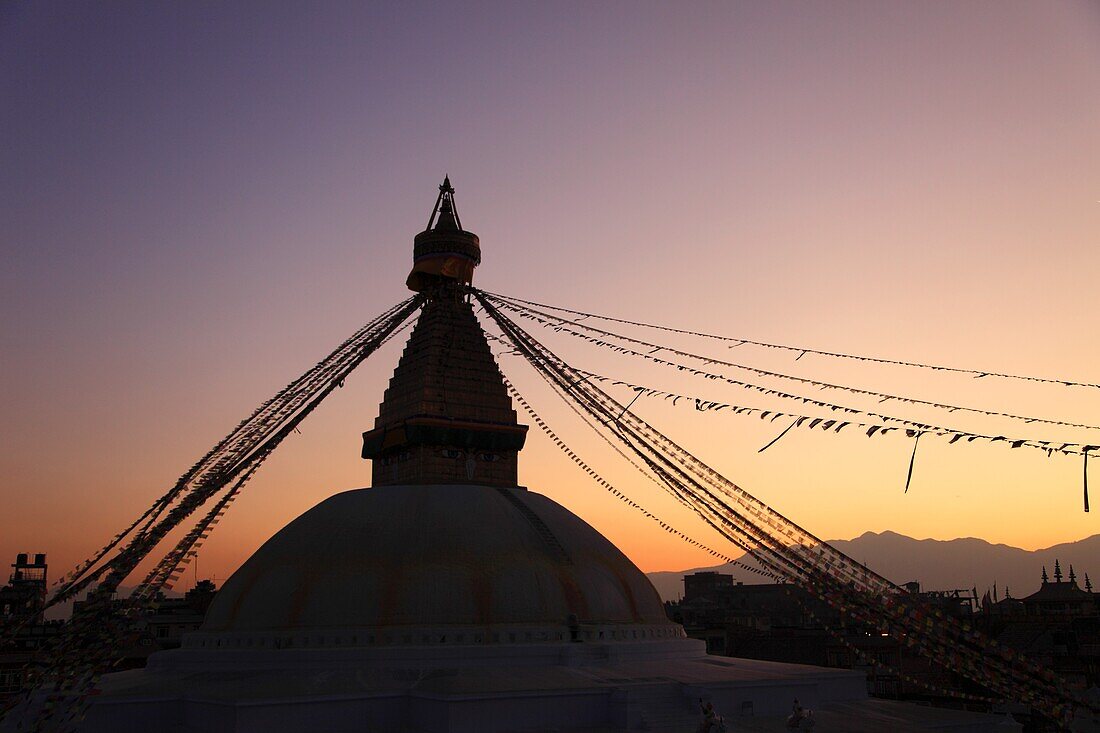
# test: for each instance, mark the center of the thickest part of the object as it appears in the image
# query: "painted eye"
(452, 453)
(489, 457)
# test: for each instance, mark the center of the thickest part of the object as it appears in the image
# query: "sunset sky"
(198, 201)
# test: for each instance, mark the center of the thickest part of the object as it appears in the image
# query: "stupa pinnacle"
(446, 416)
(444, 254)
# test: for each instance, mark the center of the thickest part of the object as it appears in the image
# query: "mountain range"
(962, 563)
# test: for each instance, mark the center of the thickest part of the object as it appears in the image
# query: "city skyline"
(217, 211)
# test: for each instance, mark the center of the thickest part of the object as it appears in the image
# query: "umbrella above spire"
(445, 208)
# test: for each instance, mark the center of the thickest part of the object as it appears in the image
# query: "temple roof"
(1065, 591)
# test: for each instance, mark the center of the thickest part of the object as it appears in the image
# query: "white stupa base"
(589, 687)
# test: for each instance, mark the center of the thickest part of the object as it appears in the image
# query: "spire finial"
(445, 209)
(1088, 583)
(1057, 572)
(1072, 575)
(1045, 578)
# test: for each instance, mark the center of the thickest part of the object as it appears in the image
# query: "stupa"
(446, 597)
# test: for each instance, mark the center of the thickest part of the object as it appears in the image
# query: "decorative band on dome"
(388, 636)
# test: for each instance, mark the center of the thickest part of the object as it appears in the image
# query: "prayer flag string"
(784, 547)
(802, 350)
(90, 643)
(834, 425)
(558, 323)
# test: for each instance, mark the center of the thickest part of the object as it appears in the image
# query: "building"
(162, 625)
(781, 622)
(171, 618)
(1058, 626)
(1061, 599)
(24, 597)
(22, 602)
(447, 597)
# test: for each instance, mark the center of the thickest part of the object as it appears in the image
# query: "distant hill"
(938, 564)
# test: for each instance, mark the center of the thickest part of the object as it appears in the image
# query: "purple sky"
(199, 199)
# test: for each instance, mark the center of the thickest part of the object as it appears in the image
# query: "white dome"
(432, 560)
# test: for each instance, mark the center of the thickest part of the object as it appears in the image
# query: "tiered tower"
(446, 417)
